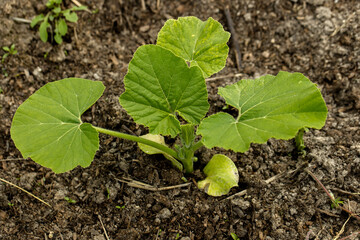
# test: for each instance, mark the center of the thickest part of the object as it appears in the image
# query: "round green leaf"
(201, 43)
(70, 16)
(222, 175)
(47, 127)
(269, 107)
(160, 85)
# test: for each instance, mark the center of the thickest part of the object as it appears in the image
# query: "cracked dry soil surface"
(320, 38)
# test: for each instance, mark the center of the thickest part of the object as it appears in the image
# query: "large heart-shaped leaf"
(222, 175)
(47, 127)
(159, 85)
(269, 107)
(201, 43)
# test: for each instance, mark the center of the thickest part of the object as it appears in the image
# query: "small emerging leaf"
(57, 10)
(58, 38)
(7, 49)
(203, 44)
(187, 135)
(269, 107)
(160, 85)
(37, 19)
(70, 16)
(47, 127)
(222, 175)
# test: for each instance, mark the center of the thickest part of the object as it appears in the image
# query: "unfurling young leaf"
(222, 175)
(160, 85)
(47, 127)
(269, 107)
(203, 44)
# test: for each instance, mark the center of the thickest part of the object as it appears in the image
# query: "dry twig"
(267, 181)
(79, 4)
(14, 159)
(234, 37)
(21, 20)
(106, 235)
(331, 196)
(223, 77)
(32, 195)
(133, 183)
(343, 25)
(342, 229)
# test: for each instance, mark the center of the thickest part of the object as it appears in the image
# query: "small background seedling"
(120, 207)
(55, 20)
(9, 51)
(234, 236)
(336, 201)
(69, 200)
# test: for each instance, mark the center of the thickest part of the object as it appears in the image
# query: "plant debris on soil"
(319, 38)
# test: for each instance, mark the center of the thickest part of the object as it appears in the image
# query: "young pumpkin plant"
(165, 91)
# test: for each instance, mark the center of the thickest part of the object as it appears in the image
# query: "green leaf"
(58, 38)
(160, 85)
(80, 8)
(201, 43)
(43, 30)
(57, 10)
(187, 135)
(7, 49)
(62, 27)
(36, 20)
(269, 107)
(47, 127)
(151, 150)
(222, 175)
(70, 16)
(4, 56)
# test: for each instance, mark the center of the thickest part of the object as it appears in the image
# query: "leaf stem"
(197, 145)
(159, 146)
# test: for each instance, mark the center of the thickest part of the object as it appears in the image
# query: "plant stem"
(197, 145)
(153, 144)
(299, 141)
(188, 161)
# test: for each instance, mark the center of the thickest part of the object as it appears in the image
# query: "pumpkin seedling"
(165, 90)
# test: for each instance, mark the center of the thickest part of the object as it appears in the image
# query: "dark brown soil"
(320, 38)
